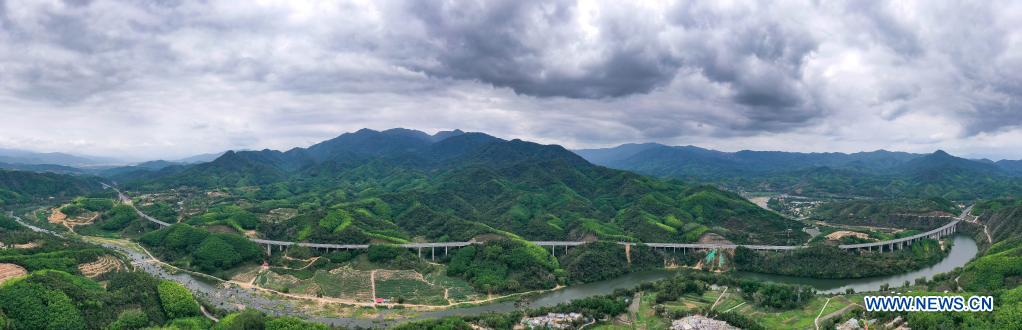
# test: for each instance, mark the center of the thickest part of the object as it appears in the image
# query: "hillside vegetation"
(918, 214)
(196, 248)
(22, 187)
(824, 261)
(402, 185)
(55, 294)
(879, 174)
(996, 272)
(1000, 266)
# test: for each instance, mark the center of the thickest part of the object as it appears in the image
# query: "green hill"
(21, 187)
(882, 174)
(399, 185)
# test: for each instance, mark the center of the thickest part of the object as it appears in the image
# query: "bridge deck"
(903, 239)
(939, 230)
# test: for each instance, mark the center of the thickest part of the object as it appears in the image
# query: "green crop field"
(457, 289)
(411, 291)
(344, 282)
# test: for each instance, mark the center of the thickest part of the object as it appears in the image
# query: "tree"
(190, 323)
(244, 320)
(177, 301)
(130, 319)
(215, 254)
(448, 323)
(1008, 317)
(118, 217)
(61, 312)
(23, 304)
(292, 323)
(384, 252)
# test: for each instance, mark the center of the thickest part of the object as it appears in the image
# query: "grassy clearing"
(646, 318)
(802, 318)
(729, 301)
(457, 289)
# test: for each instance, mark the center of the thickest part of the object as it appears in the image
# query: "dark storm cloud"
(894, 74)
(523, 45)
(520, 45)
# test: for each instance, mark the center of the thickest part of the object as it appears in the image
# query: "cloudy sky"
(165, 79)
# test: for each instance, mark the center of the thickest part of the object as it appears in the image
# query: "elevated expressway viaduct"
(883, 246)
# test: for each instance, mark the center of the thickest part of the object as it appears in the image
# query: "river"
(230, 297)
(963, 249)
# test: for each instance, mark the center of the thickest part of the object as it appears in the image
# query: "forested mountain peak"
(441, 135)
(607, 155)
(940, 164)
(399, 184)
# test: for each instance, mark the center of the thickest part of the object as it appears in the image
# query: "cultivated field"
(101, 266)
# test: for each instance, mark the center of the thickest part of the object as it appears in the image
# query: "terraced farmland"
(408, 286)
(101, 266)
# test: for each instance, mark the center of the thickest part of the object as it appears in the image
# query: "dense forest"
(606, 260)
(505, 266)
(828, 261)
(22, 187)
(917, 214)
(401, 185)
(196, 248)
(56, 295)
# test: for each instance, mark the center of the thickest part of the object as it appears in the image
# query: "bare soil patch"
(60, 218)
(713, 238)
(9, 271)
(26, 246)
(56, 216)
(837, 235)
(102, 265)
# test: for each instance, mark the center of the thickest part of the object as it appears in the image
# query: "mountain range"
(399, 185)
(25, 157)
(876, 174)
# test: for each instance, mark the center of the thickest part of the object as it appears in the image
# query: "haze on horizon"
(164, 80)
